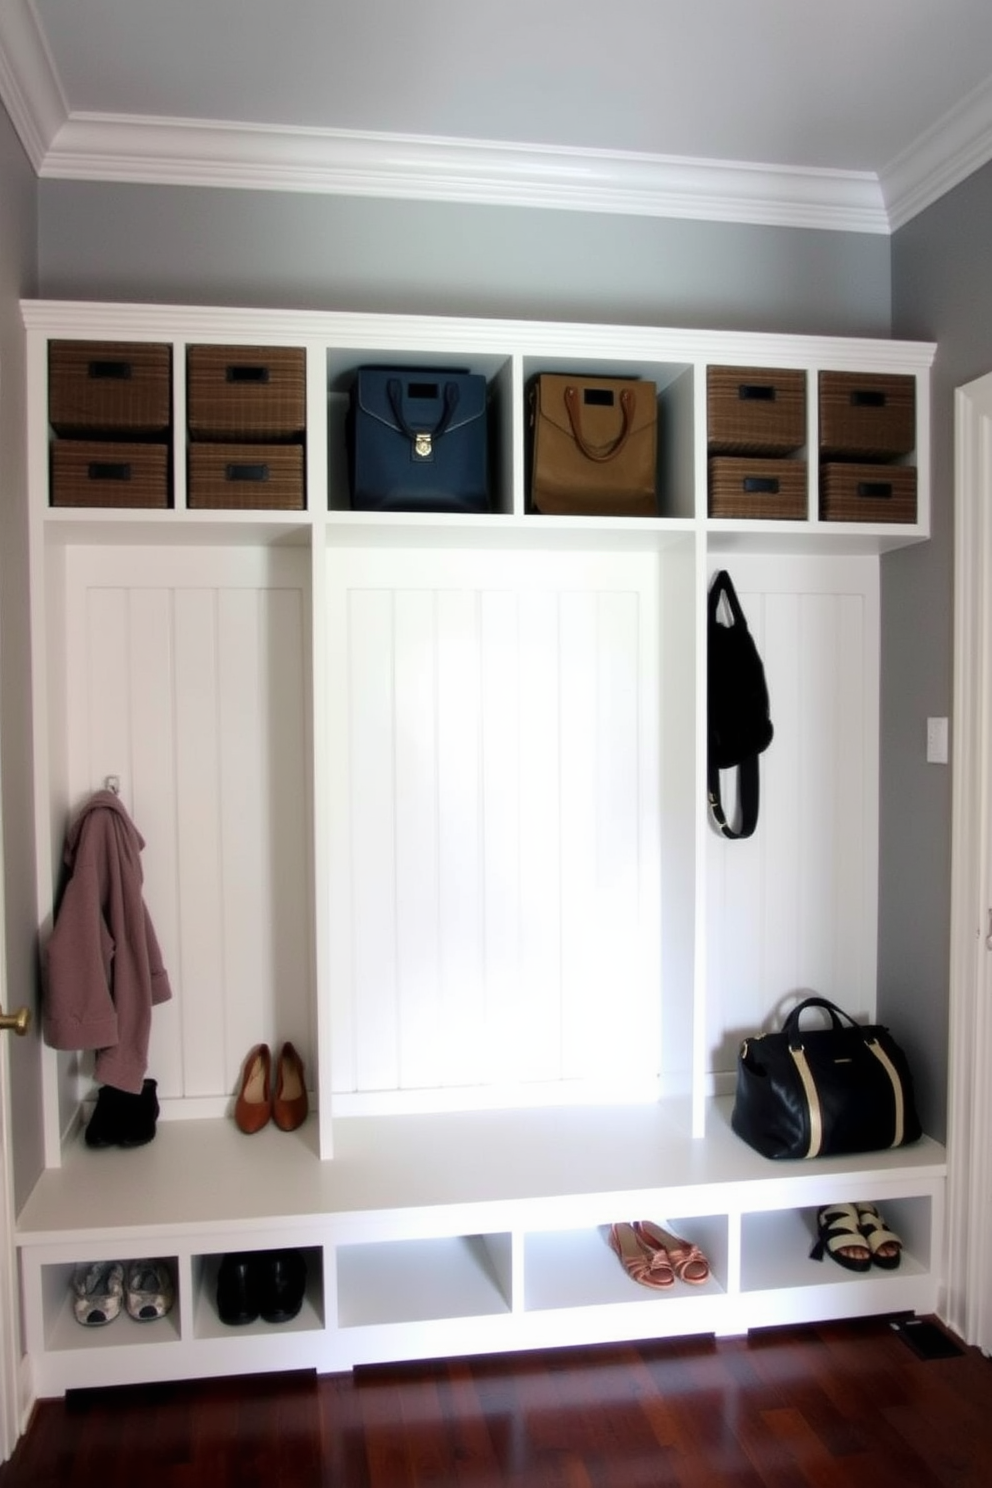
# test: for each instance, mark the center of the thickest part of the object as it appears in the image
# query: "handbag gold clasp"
(423, 446)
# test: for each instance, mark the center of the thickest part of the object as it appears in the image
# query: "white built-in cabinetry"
(425, 794)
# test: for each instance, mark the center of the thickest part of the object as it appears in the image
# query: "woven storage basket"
(851, 492)
(749, 487)
(755, 410)
(253, 477)
(246, 392)
(864, 417)
(109, 387)
(99, 472)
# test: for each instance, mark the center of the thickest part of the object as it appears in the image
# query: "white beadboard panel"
(494, 823)
(793, 910)
(190, 683)
(198, 835)
(369, 709)
(682, 788)
(151, 768)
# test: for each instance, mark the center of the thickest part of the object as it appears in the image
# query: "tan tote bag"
(595, 446)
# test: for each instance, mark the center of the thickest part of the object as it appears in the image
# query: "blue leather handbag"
(417, 440)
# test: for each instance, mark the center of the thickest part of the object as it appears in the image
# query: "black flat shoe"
(282, 1280)
(122, 1119)
(237, 1288)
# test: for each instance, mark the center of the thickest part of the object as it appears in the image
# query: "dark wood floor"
(845, 1405)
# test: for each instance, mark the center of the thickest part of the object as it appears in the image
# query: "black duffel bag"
(820, 1092)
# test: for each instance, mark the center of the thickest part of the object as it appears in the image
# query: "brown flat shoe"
(289, 1105)
(669, 1252)
(253, 1106)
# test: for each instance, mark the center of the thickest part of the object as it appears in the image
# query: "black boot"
(121, 1119)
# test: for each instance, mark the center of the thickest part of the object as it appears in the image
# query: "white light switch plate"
(936, 741)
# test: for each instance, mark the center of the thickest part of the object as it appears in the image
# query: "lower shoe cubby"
(782, 1282)
(208, 1321)
(64, 1333)
(578, 1267)
(423, 1280)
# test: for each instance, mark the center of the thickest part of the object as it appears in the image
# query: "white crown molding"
(29, 84)
(197, 152)
(98, 147)
(942, 157)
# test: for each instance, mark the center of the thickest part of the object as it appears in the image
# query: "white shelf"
(205, 1176)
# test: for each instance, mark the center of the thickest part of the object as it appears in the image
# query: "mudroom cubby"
(425, 795)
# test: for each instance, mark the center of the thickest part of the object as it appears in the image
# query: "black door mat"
(927, 1339)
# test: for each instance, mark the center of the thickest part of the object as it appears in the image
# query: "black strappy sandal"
(839, 1230)
(877, 1235)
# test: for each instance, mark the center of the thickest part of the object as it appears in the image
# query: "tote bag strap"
(421, 439)
(572, 408)
(748, 792)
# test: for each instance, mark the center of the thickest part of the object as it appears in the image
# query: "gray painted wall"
(18, 239)
(942, 291)
(200, 246)
(101, 241)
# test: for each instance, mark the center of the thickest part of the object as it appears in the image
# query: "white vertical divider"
(317, 747)
(180, 484)
(696, 597)
(516, 460)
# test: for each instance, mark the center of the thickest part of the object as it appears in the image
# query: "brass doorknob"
(17, 1022)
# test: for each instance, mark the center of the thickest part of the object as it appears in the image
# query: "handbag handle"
(791, 1026)
(572, 409)
(394, 391)
(723, 587)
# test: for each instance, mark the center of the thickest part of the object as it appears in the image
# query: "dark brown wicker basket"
(255, 477)
(246, 392)
(851, 492)
(759, 488)
(103, 472)
(755, 410)
(109, 387)
(867, 417)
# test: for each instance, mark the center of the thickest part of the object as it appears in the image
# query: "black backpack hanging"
(739, 725)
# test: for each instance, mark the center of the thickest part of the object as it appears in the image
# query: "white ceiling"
(835, 113)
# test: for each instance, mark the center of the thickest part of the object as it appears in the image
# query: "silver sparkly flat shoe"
(98, 1292)
(149, 1290)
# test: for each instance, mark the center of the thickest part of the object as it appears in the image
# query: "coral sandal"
(885, 1247)
(840, 1236)
(669, 1253)
(637, 1261)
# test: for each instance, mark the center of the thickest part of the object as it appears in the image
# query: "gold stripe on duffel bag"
(897, 1091)
(812, 1100)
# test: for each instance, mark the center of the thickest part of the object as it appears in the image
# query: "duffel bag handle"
(791, 1026)
(574, 418)
(422, 440)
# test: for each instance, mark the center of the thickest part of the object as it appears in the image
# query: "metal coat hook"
(113, 783)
